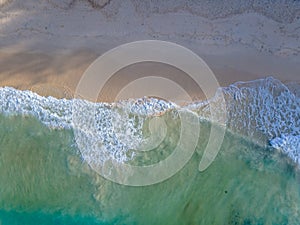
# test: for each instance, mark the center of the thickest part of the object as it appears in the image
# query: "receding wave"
(265, 110)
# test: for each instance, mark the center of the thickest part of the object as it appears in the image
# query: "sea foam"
(102, 130)
(263, 109)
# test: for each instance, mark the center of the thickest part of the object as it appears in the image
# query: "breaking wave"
(265, 110)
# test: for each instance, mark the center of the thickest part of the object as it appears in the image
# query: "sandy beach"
(207, 156)
(46, 46)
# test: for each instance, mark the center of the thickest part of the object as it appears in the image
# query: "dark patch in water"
(237, 219)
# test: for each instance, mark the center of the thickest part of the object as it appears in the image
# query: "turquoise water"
(45, 181)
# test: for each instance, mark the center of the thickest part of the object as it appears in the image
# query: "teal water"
(45, 181)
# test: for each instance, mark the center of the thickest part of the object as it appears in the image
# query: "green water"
(43, 180)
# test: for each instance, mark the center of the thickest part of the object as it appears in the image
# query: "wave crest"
(265, 110)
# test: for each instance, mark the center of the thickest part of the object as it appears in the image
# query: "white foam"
(50, 111)
(264, 105)
(262, 108)
(288, 144)
(102, 130)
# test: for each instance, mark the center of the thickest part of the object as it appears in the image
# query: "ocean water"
(48, 173)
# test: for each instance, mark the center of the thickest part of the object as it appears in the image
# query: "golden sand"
(57, 74)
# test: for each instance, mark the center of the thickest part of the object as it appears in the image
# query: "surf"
(265, 111)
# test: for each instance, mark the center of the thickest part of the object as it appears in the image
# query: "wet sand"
(57, 74)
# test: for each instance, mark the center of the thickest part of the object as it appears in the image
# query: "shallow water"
(45, 181)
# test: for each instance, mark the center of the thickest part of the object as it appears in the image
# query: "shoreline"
(250, 112)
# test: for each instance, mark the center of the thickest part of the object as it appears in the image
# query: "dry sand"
(46, 46)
